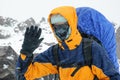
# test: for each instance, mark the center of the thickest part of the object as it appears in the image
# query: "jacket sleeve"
(42, 65)
(104, 64)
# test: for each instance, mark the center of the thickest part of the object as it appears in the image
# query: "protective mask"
(62, 31)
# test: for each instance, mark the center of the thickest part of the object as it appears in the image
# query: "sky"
(24, 9)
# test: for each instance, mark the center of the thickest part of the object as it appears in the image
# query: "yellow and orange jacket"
(70, 54)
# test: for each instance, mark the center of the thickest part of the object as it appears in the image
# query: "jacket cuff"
(23, 56)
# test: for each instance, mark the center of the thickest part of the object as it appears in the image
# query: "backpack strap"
(87, 51)
(56, 58)
(55, 54)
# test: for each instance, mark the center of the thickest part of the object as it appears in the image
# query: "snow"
(10, 57)
(5, 66)
(116, 27)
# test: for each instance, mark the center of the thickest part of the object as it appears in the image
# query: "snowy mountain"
(13, 35)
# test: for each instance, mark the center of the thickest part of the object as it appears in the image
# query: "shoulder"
(98, 47)
(98, 51)
(46, 56)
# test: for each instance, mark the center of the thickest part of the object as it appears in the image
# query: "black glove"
(31, 40)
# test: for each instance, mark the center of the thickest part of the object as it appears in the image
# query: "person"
(63, 22)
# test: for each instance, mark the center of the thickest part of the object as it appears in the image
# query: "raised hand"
(31, 40)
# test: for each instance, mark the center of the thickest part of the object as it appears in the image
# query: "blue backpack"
(93, 23)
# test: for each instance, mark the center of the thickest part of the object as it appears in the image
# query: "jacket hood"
(69, 13)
